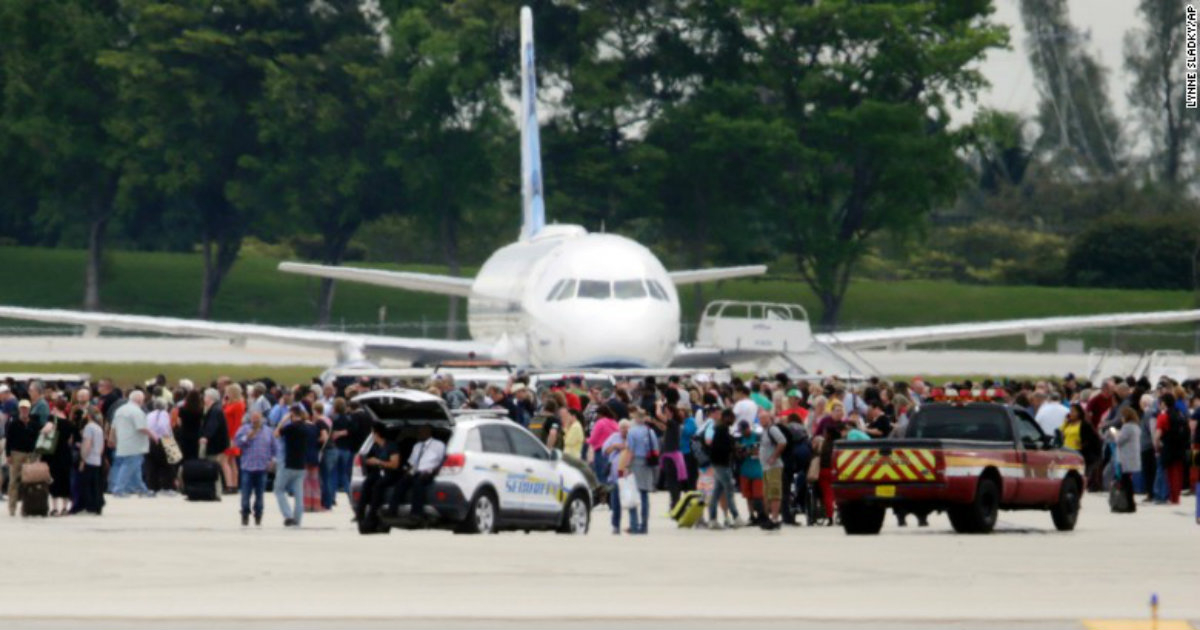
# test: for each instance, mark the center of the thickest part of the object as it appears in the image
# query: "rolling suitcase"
(690, 508)
(200, 478)
(35, 499)
(692, 514)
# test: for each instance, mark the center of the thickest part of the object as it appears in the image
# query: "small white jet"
(561, 297)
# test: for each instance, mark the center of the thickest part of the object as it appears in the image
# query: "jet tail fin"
(532, 203)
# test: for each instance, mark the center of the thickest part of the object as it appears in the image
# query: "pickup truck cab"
(969, 460)
(496, 475)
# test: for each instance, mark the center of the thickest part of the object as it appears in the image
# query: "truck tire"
(979, 517)
(1066, 511)
(862, 519)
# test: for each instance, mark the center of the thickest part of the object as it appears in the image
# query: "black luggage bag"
(200, 478)
(35, 499)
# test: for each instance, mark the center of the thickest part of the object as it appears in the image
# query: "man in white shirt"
(744, 409)
(1051, 415)
(427, 455)
(131, 434)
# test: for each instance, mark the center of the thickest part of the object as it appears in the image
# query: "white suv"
(496, 474)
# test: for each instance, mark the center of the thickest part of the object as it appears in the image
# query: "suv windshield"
(983, 422)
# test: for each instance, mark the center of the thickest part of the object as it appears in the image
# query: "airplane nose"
(634, 336)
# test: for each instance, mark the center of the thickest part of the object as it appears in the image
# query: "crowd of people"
(760, 447)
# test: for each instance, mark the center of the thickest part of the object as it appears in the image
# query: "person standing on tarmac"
(295, 433)
(720, 452)
(20, 439)
(772, 448)
(613, 450)
(257, 445)
(1129, 454)
(642, 442)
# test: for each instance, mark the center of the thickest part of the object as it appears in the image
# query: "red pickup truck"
(970, 460)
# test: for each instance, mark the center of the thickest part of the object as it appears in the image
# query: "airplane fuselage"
(567, 297)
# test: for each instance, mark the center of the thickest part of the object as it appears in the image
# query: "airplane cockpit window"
(566, 292)
(554, 290)
(656, 291)
(595, 289)
(629, 289)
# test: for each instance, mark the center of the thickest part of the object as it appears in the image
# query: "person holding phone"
(295, 432)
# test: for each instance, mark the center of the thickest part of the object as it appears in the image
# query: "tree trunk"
(450, 255)
(335, 252)
(325, 302)
(216, 268)
(91, 292)
(831, 307)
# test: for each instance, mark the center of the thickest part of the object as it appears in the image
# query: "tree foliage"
(716, 131)
(58, 113)
(1126, 253)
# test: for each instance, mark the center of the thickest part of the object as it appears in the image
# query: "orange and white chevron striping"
(902, 465)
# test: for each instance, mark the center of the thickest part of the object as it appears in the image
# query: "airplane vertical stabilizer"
(533, 206)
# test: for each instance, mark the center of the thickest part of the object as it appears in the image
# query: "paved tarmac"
(164, 562)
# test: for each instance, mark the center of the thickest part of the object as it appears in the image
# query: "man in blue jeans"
(294, 433)
(132, 437)
(257, 444)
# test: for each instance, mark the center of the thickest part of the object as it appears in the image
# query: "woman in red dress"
(235, 410)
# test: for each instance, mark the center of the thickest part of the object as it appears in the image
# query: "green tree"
(57, 113)
(1124, 252)
(190, 79)
(326, 121)
(859, 93)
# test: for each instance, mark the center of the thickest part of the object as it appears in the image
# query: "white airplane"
(560, 297)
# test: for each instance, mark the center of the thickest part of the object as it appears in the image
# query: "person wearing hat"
(21, 437)
(522, 403)
(794, 404)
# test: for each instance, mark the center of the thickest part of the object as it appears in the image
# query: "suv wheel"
(482, 517)
(576, 515)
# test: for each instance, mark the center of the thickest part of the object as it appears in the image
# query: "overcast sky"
(1013, 87)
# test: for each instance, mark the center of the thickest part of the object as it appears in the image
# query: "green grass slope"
(151, 283)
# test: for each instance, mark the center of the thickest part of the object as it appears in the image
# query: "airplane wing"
(348, 346)
(708, 357)
(1033, 329)
(692, 276)
(423, 282)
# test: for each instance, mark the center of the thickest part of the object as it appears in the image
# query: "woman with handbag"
(614, 449)
(1129, 460)
(160, 464)
(59, 438)
(644, 446)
